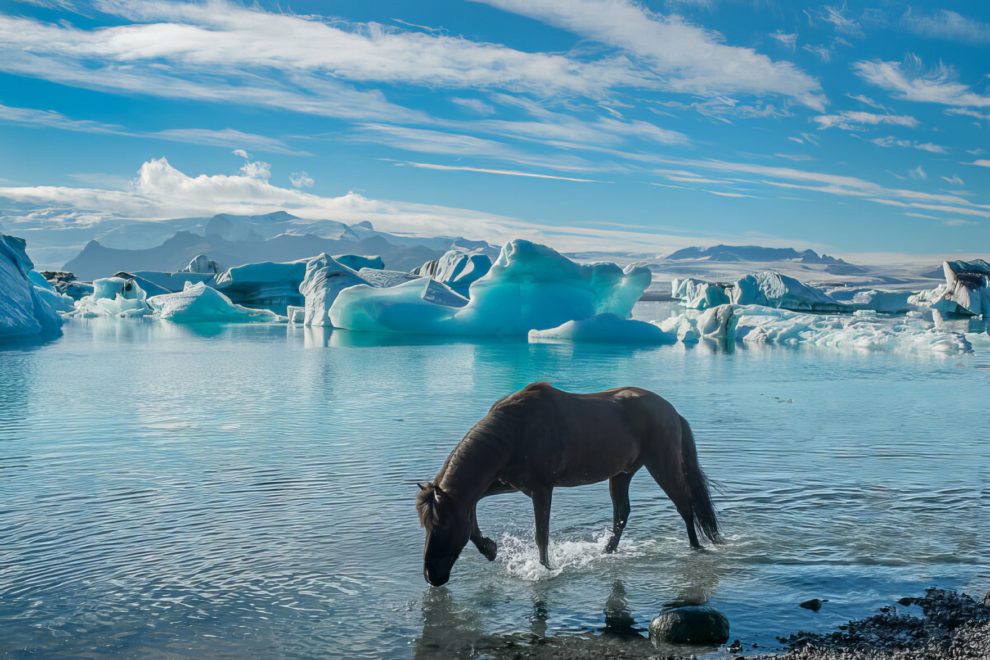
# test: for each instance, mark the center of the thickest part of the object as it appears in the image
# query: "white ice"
(529, 287)
(25, 307)
(771, 289)
(967, 284)
(202, 264)
(604, 328)
(324, 278)
(264, 284)
(113, 297)
(198, 303)
(457, 268)
(358, 261)
(698, 294)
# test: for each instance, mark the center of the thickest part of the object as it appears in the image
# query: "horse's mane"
(426, 506)
(476, 449)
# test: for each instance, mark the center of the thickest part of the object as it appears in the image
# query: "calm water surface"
(248, 490)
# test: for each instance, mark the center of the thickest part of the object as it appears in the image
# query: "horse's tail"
(705, 519)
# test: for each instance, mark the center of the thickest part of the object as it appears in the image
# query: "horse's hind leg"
(674, 485)
(618, 488)
(542, 497)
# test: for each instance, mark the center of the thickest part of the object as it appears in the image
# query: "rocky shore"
(950, 625)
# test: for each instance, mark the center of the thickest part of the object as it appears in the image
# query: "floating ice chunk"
(156, 282)
(202, 264)
(529, 287)
(385, 278)
(267, 284)
(604, 328)
(967, 284)
(457, 268)
(861, 331)
(358, 261)
(409, 307)
(198, 303)
(113, 297)
(771, 289)
(698, 294)
(58, 301)
(324, 278)
(296, 315)
(884, 301)
(25, 307)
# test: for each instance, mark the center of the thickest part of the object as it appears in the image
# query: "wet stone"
(696, 624)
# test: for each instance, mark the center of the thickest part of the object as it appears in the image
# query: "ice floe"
(604, 328)
(198, 303)
(324, 278)
(698, 294)
(967, 285)
(358, 261)
(266, 284)
(771, 289)
(529, 287)
(25, 307)
(457, 268)
(113, 297)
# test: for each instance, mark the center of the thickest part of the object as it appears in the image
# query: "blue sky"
(853, 128)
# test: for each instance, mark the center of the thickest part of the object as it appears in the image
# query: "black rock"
(814, 604)
(695, 624)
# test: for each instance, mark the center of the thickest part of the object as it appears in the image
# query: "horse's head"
(448, 527)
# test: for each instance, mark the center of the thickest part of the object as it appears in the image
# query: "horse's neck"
(475, 464)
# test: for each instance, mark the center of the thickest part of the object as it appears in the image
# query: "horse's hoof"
(489, 549)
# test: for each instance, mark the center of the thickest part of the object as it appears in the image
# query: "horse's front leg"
(542, 497)
(485, 545)
(618, 487)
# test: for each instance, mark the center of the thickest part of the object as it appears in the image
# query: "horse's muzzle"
(436, 580)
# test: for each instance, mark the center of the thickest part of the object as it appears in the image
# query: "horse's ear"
(421, 486)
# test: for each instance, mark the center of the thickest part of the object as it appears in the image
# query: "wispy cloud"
(226, 137)
(891, 141)
(980, 163)
(788, 39)
(850, 120)
(484, 170)
(912, 83)
(690, 59)
(947, 24)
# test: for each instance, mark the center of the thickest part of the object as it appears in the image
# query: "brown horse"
(541, 437)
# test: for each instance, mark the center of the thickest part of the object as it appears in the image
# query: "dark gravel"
(951, 625)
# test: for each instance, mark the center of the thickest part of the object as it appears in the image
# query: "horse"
(540, 438)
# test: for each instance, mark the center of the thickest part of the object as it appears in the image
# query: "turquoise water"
(248, 490)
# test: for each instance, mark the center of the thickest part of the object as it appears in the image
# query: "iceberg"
(323, 279)
(113, 297)
(771, 289)
(296, 315)
(529, 287)
(202, 264)
(885, 301)
(272, 285)
(604, 328)
(418, 306)
(385, 278)
(967, 285)
(357, 261)
(198, 303)
(58, 301)
(698, 294)
(25, 307)
(157, 282)
(863, 330)
(458, 269)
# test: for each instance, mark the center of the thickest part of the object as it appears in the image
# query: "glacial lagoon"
(248, 490)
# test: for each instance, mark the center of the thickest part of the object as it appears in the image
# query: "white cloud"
(918, 173)
(867, 101)
(240, 153)
(980, 163)
(947, 24)
(824, 53)
(851, 120)
(476, 106)
(891, 141)
(301, 180)
(483, 170)
(257, 170)
(161, 191)
(225, 137)
(690, 59)
(954, 180)
(842, 23)
(966, 112)
(787, 39)
(913, 84)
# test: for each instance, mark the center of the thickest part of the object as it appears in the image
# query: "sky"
(854, 128)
